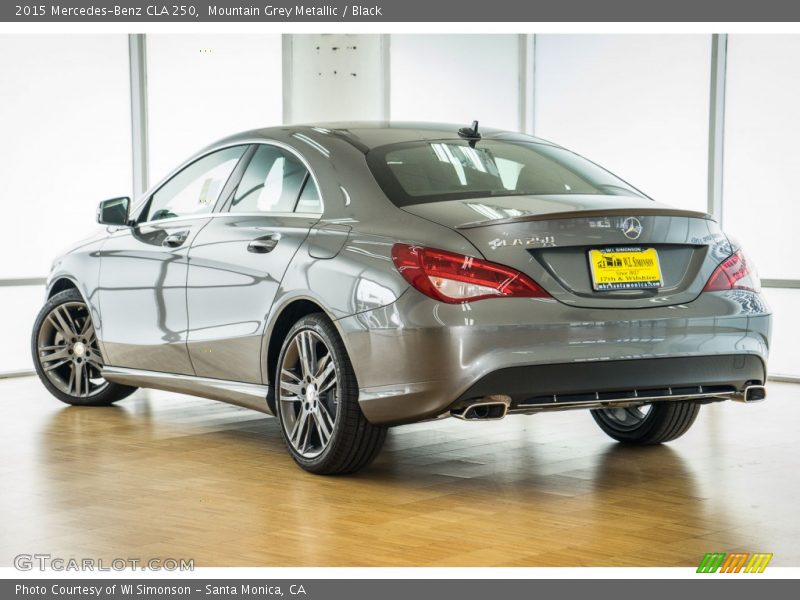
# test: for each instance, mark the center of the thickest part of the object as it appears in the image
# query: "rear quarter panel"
(351, 271)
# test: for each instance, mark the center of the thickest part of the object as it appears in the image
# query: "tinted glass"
(309, 198)
(271, 182)
(195, 189)
(420, 172)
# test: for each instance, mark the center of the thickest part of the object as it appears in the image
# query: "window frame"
(225, 207)
(394, 191)
(145, 205)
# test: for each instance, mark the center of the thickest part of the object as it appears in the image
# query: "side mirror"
(114, 212)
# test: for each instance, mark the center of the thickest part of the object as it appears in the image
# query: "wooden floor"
(169, 476)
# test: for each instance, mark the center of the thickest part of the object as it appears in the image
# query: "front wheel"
(647, 424)
(66, 354)
(317, 402)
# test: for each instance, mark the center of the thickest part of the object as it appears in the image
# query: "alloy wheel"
(309, 394)
(626, 418)
(68, 352)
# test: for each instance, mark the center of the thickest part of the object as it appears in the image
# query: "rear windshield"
(432, 171)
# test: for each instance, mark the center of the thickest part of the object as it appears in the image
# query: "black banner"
(398, 11)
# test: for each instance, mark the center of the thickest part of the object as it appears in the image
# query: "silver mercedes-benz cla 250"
(349, 277)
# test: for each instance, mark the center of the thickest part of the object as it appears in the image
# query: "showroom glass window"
(275, 181)
(195, 189)
(637, 104)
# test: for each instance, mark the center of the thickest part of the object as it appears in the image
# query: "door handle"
(175, 240)
(264, 244)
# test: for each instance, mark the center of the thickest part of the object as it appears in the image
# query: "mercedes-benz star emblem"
(632, 228)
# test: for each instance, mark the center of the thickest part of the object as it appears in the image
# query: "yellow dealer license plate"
(625, 269)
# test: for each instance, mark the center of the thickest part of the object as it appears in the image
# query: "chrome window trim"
(168, 221)
(214, 215)
(245, 142)
(140, 202)
(308, 215)
(303, 160)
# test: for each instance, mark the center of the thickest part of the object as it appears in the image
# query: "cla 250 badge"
(547, 240)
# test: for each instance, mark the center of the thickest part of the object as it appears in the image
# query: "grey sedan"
(353, 276)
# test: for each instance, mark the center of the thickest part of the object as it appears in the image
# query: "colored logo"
(632, 228)
(736, 562)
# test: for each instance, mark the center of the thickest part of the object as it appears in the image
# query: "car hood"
(476, 212)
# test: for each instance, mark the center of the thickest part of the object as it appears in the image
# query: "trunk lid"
(549, 238)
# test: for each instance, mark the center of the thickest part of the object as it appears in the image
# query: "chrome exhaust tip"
(751, 394)
(490, 408)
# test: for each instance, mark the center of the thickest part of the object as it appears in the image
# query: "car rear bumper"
(539, 386)
(419, 359)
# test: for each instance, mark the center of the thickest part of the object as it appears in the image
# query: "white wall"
(205, 87)
(635, 104)
(337, 77)
(23, 302)
(783, 358)
(760, 193)
(456, 79)
(762, 153)
(66, 145)
(66, 133)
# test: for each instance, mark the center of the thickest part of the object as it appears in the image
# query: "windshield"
(433, 171)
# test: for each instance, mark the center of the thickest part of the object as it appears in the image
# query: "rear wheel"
(317, 402)
(67, 356)
(647, 424)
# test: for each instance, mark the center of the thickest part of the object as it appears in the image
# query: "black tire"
(354, 442)
(663, 422)
(58, 374)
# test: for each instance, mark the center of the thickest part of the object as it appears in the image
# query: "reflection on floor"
(168, 476)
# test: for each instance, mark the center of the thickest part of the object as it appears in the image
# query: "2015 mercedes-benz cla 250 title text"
(352, 276)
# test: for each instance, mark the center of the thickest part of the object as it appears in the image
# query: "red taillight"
(455, 278)
(733, 273)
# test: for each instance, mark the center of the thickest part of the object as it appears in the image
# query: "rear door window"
(272, 183)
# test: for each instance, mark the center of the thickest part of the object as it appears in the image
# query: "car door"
(144, 267)
(237, 262)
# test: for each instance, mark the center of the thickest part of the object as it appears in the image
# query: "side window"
(271, 183)
(309, 198)
(195, 189)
